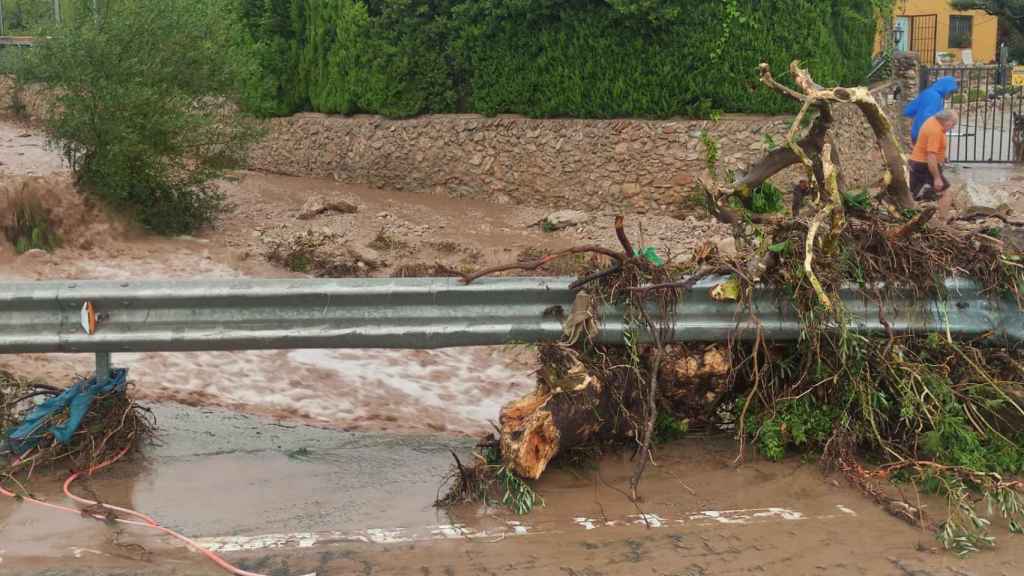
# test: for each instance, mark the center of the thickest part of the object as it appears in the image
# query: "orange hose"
(147, 521)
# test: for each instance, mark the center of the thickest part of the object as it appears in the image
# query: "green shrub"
(276, 31)
(336, 55)
(802, 422)
(767, 199)
(575, 58)
(144, 110)
(30, 227)
(586, 58)
(22, 17)
(668, 428)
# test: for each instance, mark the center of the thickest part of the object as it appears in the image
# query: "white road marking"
(79, 552)
(512, 528)
(845, 510)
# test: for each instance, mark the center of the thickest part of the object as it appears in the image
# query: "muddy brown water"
(287, 499)
(290, 500)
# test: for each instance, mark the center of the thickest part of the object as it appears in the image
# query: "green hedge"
(543, 58)
(24, 17)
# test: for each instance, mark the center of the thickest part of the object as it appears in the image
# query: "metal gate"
(989, 107)
(922, 32)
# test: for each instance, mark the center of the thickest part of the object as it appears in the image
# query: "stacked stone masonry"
(639, 165)
(605, 165)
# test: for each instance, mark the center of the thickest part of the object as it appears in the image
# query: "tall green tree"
(144, 105)
(1012, 10)
(276, 30)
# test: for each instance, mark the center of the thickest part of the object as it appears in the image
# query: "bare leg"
(945, 204)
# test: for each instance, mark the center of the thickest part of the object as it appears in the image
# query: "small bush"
(803, 423)
(767, 199)
(145, 110)
(667, 428)
(31, 227)
(385, 242)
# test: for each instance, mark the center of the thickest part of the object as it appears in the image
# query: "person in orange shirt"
(927, 158)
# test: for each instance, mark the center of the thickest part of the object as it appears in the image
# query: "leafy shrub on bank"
(29, 226)
(143, 107)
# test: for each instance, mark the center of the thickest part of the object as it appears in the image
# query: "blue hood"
(945, 86)
(929, 103)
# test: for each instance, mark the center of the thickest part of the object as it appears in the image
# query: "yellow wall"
(985, 31)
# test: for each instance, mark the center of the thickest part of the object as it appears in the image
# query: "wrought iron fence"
(991, 109)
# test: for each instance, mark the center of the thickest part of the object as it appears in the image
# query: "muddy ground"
(457, 391)
(240, 469)
(290, 500)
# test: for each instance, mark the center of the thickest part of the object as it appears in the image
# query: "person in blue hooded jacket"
(928, 103)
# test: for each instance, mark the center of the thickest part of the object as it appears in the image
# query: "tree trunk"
(576, 404)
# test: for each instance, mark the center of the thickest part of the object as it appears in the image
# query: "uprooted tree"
(942, 412)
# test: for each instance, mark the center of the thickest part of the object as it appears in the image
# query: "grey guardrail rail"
(415, 313)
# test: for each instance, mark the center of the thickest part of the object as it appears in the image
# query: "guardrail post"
(102, 367)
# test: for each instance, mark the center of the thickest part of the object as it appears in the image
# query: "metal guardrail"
(248, 314)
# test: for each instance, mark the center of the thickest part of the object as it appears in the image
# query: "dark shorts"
(920, 176)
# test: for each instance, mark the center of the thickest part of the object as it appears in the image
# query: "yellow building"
(933, 30)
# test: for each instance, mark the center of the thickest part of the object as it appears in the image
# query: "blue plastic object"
(78, 398)
(928, 103)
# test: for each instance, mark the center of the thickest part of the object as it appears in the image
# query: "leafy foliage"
(30, 226)
(27, 16)
(802, 423)
(144, 108)
(668, 428)
(276, 30)
(1012, 10)
(767, 199)
(648, 59)
(578, 58)
(857, 200)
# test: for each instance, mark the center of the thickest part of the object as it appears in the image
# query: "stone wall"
(636, 165)
(640, 165)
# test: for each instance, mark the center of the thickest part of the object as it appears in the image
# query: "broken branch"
(812, 233)
(620, 232)
(535, 264)
(916, 224)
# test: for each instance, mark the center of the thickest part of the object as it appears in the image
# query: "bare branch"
(535, 264)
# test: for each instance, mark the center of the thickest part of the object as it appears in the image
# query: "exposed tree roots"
(942, 414)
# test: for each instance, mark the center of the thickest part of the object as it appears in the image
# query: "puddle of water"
(213, 473)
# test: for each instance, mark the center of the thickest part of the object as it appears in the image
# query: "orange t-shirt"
(932, 138)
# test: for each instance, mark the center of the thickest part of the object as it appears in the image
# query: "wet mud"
(297, 500)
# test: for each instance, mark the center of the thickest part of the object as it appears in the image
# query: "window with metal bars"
(961, 30)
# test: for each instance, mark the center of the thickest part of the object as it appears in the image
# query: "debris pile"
(321, 253)
(941, 412)
(77, 428)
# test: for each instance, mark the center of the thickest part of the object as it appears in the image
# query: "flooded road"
(215, 473)
(292, 500)
(237, 466)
